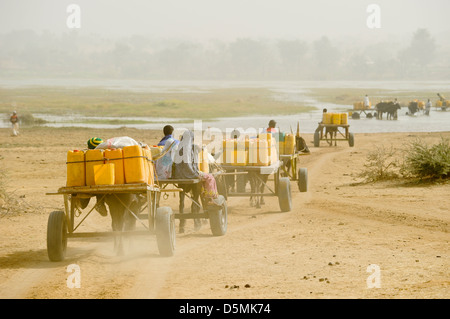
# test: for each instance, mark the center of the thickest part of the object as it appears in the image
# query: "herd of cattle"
(391, 109)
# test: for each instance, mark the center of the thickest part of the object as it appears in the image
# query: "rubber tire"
(165, 231)
(56, 236)
(356, 116)
(284, 194)
(351, 139)
(302, 179)
(316, 139)
(218, 219)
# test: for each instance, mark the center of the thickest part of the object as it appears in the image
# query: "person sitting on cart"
(186, 167)
(271, 128)
(164, 164)
(318, 129)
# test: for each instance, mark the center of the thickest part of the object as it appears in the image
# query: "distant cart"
(332, 133)
(359, 108)
(63, 225)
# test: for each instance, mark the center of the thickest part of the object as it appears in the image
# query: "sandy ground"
(321, 249)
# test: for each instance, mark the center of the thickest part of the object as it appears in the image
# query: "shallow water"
(286, 91)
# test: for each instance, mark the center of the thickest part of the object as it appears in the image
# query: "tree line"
(27, 53)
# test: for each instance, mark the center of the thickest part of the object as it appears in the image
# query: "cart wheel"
(351, 139)
(218, 218)
(165, 231)
(316, 139)
(56, 236)
(303, 179)
(284, 194)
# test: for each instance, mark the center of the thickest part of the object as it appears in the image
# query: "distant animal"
(257, 184)
(413, 107)
(390, 108)
(194, 190)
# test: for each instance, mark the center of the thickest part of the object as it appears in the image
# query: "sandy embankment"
(321, 249)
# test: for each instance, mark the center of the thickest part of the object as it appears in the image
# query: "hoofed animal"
(332, 132)
(390, 108)
(257, 184)
(194, 191)
(120, 206)
(413, 107)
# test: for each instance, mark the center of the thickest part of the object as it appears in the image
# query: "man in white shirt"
(366, 102)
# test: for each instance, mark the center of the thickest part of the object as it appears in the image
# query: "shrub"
(381, 164)
(424, 161)
(28, 119)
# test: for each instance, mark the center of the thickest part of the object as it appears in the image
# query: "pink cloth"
(209, 187)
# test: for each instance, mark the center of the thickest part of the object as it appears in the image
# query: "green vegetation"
(418, 161)
(381, 164)
(427, 161)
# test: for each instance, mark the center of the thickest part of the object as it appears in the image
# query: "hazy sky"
(227, 19)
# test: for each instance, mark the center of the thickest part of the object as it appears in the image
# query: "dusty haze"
(234, 40)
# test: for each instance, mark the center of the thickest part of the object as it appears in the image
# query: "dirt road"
(321, 249)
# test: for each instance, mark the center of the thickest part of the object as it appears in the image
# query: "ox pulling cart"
(63, 225)
(215, 211)
(258, 176)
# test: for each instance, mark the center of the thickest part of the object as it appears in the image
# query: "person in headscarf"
(186, 167)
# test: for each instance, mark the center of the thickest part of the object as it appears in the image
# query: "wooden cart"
(341, 130)
(281, 187)
(63, 225)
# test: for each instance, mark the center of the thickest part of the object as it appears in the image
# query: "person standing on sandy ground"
(14, 119)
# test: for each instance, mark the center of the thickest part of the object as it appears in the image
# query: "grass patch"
(425, 161)
(229, 102)
(381, 164)
(419, 162)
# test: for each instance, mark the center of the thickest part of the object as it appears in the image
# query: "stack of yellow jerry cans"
(127, 165)
(261, 151)
(286, 144)
(335, 118)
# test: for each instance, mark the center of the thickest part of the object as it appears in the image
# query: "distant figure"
(14, 119)
(366, 102)
(428, 107)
